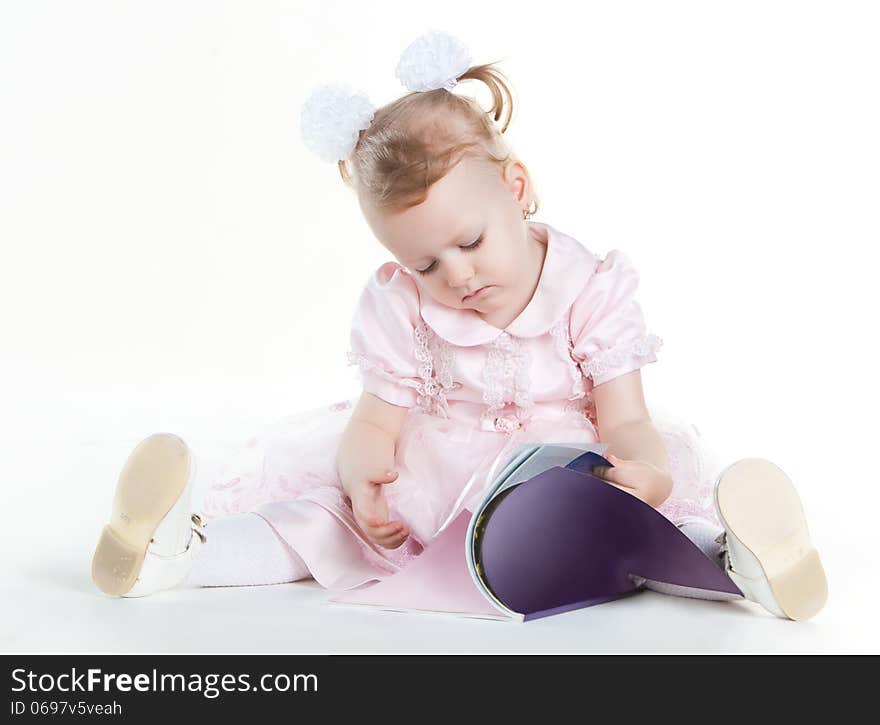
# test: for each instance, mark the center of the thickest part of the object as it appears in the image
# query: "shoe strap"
(164, 572)
(197, 539)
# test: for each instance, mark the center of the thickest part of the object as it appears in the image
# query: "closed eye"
(467, 247)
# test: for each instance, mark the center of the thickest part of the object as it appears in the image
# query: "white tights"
(703, 533)
(244, 550)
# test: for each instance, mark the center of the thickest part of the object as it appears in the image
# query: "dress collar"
(567, 267)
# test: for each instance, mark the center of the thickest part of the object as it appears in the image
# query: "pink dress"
(474, 392)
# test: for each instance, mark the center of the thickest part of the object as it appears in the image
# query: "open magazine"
(546, 537)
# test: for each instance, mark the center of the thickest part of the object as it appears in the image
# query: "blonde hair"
(414, 141)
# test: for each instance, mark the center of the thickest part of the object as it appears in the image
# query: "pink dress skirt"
(287, 474)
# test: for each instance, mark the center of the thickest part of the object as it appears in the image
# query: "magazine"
(546, 537)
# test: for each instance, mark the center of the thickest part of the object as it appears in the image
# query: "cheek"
(437, 289)
(501, 266)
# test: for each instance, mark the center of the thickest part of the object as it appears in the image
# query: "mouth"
(478, 292)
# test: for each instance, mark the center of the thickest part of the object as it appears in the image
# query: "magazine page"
(436, 582)
(544, 458)
(485, 477)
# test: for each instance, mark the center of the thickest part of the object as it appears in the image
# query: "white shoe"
(765, 545)
(153, 536)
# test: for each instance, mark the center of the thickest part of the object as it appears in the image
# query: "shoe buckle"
(199, 525)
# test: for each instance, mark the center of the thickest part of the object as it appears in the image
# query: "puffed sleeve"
(607, 327)
(383, 336)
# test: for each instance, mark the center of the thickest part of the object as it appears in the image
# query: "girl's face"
(469, 235)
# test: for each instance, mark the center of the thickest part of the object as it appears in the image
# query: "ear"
(516, 179)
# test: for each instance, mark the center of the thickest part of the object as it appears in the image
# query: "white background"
(175, 259)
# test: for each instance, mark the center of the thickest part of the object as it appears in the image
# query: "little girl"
(489, 331)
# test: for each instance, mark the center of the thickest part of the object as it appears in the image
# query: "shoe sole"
(761, 510)
(153, 478)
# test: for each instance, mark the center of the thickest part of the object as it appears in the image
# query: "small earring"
(530, 211)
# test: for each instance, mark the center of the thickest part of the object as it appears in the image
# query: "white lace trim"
(614, 357)
(506, 375)
(436, 380)
(368, 365)
(431, 389)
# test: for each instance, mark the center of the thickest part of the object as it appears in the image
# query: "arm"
(363, 462)
(625, 424)
(371, 435)
(383, 331)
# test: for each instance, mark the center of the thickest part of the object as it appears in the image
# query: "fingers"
(389, 535)
(605, 472)
(371, 512)
(392, 542)
(371, 505)
(612, 476)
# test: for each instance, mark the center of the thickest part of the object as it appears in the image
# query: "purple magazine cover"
(566, 539)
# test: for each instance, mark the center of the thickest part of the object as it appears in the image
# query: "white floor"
(51, 605)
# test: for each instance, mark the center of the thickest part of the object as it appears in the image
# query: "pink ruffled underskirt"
(287, 474)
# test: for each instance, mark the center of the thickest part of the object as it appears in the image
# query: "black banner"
(143, 687)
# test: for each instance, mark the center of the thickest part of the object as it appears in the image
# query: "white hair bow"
(332, 118)
(433, 60)
(333, 115)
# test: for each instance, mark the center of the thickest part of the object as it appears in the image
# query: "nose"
(459, 272)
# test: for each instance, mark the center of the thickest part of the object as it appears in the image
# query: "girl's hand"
(641, 479)
(371, 511)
